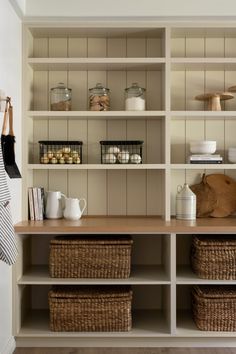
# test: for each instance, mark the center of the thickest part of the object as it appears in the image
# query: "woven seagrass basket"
(214, 257)
(90, 257)
(90, 309)
(214, 307)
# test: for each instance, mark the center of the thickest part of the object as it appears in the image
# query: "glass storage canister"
(99, 98)
(135, 98)
(60, 98)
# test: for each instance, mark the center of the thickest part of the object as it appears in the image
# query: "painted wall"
(130, 8)
(10, 81)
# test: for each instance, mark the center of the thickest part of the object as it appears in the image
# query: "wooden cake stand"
(214, 99)
(232, 89)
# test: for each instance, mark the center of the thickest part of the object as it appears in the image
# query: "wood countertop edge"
(129, 225)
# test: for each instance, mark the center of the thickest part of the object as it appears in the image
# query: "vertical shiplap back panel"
(58, 47)
(40, 88)
(77, 47)
(230, 80)
(154, 47)
(230, 134)
(97, 47)
(57, 181)
(116, 48)
(214, 47)
(215, 130)
(178, 47)
(230, 47)
(97, 192)
(154, 90)
(178, 90)
(195, 47)
(41, 47)
(178, 144)
(136, 47)
(77, 81)
(154, 192)
(40, 179)
(116, 82)
(78, 185)
(195, 85)
(154, 141)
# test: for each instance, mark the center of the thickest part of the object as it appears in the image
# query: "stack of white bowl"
(232, 154)
(203, 147)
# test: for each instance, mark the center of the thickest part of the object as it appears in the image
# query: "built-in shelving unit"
(174, 62)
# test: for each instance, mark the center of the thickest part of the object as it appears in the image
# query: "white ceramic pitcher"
(54, 208)
(72, 209)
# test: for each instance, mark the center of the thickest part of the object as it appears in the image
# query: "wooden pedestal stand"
(214, 99)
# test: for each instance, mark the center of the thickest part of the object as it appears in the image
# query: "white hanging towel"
(8, 248)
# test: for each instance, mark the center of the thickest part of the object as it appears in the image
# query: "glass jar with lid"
(99, 98)
(135, 98)
(60, 98)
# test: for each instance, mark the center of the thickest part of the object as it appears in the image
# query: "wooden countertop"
(130, 225)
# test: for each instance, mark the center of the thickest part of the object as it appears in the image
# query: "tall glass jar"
(60, 98)
(99, 98)
(135, 98)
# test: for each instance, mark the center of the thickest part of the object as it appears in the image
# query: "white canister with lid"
(135, 98)
(185, 203)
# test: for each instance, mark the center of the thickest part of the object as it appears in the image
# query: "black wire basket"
(60, 152)
(121, 151)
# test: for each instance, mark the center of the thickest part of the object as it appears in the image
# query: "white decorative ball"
(113, 150)
(62, 160)
(50, 154)
(135, 158)
(123, 157)
(54, 160)
(109, 158)
(69, 160)
(66, 150)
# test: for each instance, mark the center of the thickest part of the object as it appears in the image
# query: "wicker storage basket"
(214, 257)
(214, 307)
(90, 309)
(90, 257)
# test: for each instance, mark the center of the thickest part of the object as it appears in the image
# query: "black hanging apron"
(8, 249)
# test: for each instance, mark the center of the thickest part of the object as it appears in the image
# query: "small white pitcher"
(72, 209)
(185, 203)
(54, 208)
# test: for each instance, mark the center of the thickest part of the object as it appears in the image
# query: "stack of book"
(36, 203)
(208, 159)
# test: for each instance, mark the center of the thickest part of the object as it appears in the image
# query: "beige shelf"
(146, 323)
(187, 328)
(96, 64)
(204, 166)
(203, 114)
(185, 276)
(209, 64)
(141, 274)
(93, 115)
(97, 167)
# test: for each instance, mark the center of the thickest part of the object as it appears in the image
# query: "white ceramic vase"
(185, 203)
